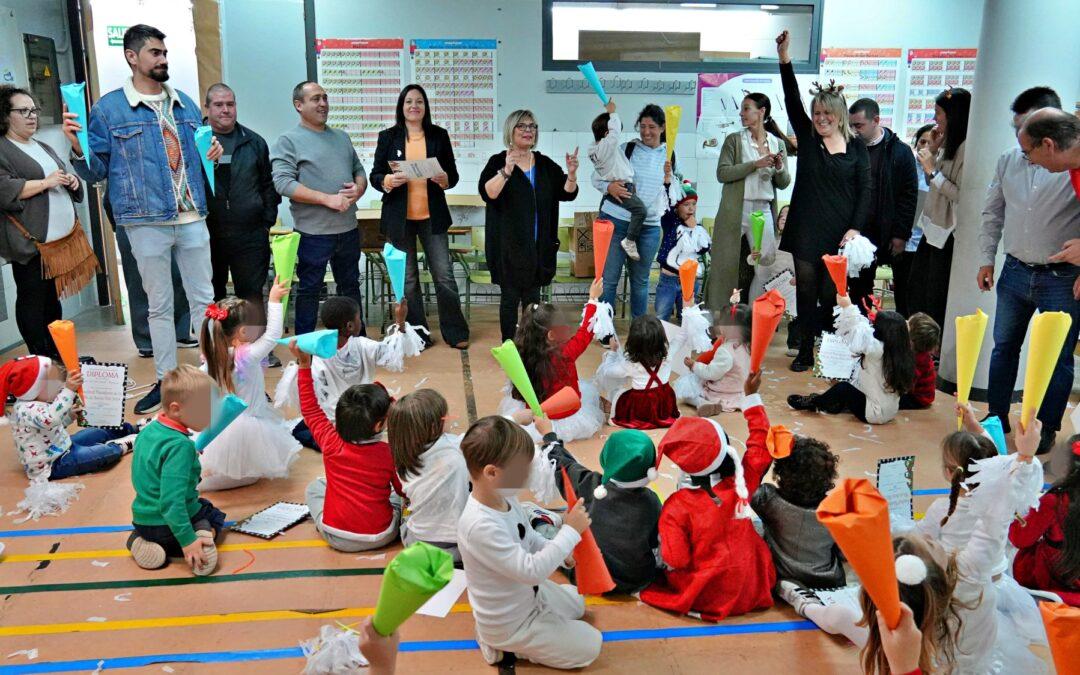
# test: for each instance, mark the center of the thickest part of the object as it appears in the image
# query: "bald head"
(1050, 138)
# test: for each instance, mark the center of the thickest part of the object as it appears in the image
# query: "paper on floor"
(441, 603)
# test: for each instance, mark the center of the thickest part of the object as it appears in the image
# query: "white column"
(1022, 44)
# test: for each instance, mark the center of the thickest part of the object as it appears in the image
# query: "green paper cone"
(757, 228)
(412, 577)
(284, 249)
(508, 357)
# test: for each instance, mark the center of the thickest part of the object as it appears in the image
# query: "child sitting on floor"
(683, 239)
(549, 352)
(925, 340)
(611, 163)
(518, 610)
(353, 507)
(715, 381)
(258, 443)
(170, 518)
(433, 474)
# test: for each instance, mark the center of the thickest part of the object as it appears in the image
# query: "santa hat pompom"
(600, 492)
(651, 474)
(910, 570)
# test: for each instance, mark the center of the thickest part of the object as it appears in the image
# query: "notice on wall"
(720, 97)
(865, 73)
(460, 79)
(362, 79)
(930, 72)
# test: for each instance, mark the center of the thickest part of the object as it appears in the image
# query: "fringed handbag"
(69, 261)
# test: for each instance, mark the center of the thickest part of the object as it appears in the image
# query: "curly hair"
(647, 342)
(7, 92)
(804, 477)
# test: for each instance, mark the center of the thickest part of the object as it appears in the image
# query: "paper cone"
(204, 137)
(63, 335)
(590, 571)
(857, 517)
(395, 267)
(992, 425)
(767, 312)
(563, 402)
(969, 338)
(602, 230)
(74, 96)
(321, 343)
(707, 357)
(1048, 332)
(672, 115)
(508, 357)
(757, 228)
(225, 411)
(283, 248)
(594, 81)
(1063, 633)
(687, 278)
(1074, 175)
(837, 266)
(412, 577)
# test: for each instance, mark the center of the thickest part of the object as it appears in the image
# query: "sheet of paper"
(442, 602)
(835, 360)
(845, 596)
(676, 360)
(895, 482)
(418, 168)
(103, 387)
(784, 284)
(274, 519)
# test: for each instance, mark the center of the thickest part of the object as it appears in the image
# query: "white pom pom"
(910, 570)
(600, 492)
(651, 474)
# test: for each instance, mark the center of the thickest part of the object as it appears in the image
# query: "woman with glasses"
(522, 189)
(38, 192)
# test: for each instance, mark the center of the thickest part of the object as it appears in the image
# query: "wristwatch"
(502, 172)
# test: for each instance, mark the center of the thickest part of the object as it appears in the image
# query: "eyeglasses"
(526, 127)
(27, 112)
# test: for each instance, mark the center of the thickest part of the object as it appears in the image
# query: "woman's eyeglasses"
(27, 112)
(526, 127)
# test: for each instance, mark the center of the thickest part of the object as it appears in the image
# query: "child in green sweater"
(170, 518)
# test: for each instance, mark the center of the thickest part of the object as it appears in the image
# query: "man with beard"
(142, 139)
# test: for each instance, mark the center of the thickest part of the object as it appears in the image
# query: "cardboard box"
(581, 245)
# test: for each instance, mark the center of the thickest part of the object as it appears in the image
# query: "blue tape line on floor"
(61, 531)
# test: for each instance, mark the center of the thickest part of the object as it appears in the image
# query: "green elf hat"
(689, 192)
(628, 460)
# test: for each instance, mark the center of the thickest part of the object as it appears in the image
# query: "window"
(672, 36)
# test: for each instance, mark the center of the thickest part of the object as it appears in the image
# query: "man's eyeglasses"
(27, 112)
(526, 127)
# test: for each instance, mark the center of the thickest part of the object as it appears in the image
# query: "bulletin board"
(460, 79)
(931, 71)
(720, 95)
(866, 73)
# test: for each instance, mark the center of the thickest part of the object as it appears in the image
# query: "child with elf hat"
(717, 564)
(683, 239)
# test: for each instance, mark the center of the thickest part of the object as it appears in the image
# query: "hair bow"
(217, 313)
(779, 441)
(872, 308)
(1076, 448)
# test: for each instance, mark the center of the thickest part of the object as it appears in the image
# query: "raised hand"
(70, 128)
(783, 42)
(572, 163)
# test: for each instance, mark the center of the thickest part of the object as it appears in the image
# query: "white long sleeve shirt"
(353, 364)
(438, 493)
(608, 158)
(690, 244)
(881, 404)
(40, 432)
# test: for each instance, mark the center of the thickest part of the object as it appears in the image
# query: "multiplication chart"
(865, 73)
(930, 72)
(460, 79)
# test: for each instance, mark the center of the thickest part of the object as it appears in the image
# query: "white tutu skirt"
(581, 425)
(251, 448)
(1018, 613)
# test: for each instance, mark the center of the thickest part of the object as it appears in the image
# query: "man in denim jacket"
(142, 139)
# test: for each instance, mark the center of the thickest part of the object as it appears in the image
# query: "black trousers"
(815, 296)
(36, 306)
(247, 258)
(842, 397)
(930, 269)
(511, 301)
(901, 274)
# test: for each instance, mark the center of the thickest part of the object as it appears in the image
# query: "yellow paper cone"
(672, 115)
(970, 330)
(1048, 332)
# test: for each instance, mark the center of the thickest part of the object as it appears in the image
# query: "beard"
(160, 74)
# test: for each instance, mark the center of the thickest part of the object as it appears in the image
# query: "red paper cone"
(837, 266)
(601, 240)
(687, 277)
(1063, 633)
(767, 312)
(707, 357)
(563, 402)
(63, 335)
(590, 571)
(1074, 175)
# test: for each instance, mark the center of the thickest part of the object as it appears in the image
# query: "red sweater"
(358, 477)
(1040, 537)
(925, 379)
(564, 361)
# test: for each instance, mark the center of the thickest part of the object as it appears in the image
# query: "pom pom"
(602, 324)
(286, 391)
(696, 323)
(651, 474)
(333, 651)
(859, 253)
(910, 570)
(600, 492)
(47, 498)
(542, 476)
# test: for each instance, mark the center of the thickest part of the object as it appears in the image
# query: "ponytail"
(223, 319)
(954, 492)
(773, 128)
(959, 450)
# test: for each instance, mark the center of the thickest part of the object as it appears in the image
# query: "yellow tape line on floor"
(123, 552)
(212, 619)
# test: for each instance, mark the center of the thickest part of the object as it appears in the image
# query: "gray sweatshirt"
(322, 161)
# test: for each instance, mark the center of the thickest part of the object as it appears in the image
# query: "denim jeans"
(452, 322)
(90, 452)
(1020, 291)
(669, 297)
(138, 307)
(648, 244)
(154, 248)
(342, 251)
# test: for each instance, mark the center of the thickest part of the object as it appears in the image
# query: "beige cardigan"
(942, 201)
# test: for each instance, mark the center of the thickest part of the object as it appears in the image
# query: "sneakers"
(800, 364)
(272, 361)
(798, 597)
(630, 246)
(146, 554)
(792, 352)
(538, 515)
(150, 402)
(146, 353)
(127, 443)
(1005, 426)
(709, 410)
(210, 552)
(800, 402)
(187, 343)
(491, 655)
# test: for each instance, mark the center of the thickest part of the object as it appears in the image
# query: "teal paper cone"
(225, 411)
(594, 81)
(395, 267)
(74, 96)
(204, 137)
(321, 343)
(992, 425)
(412, 577)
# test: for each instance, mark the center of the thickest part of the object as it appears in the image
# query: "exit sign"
(116, 35)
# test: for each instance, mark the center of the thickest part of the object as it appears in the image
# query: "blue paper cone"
(74, 96)
(225, 411)
(993, 427)
(204, 137)
(395, 266)
(321, 343)
(594, 81)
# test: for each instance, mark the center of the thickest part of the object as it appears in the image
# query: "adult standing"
(829, 203)
(37, 197)
(901, 264)
(752, 168)
(416, 209)
(142, 139)
(1031, 213)
(943, 163)
(894, 193)
(655, 186)
(1051, 139)
(522, 189)
(317, 168)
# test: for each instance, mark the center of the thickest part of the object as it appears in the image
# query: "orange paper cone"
(857, 517)
(563, 402)
(837, 266)
(707, 357)
(601, 239)
(767, 312)
(687, 277)
(590, 572)
(1063, 632)
(63, 335)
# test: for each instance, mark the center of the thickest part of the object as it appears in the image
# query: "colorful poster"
(362, 79)
(719, 97)
(865, 73)
(460, 79)
(930, 72)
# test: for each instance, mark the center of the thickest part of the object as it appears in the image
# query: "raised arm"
(321, 428)
(260, 348)
(800, 121)
(583, 479)
(1027, 532)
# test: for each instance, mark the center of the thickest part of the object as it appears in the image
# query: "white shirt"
(438, 493)
(248, 378)
(504, 559)
(353, 364)
(61, 208)
(690, 244)
(881, 404)
(609, 160)
(40, 432)
(758, 185)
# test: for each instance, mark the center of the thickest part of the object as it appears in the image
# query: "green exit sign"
(116, 35)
